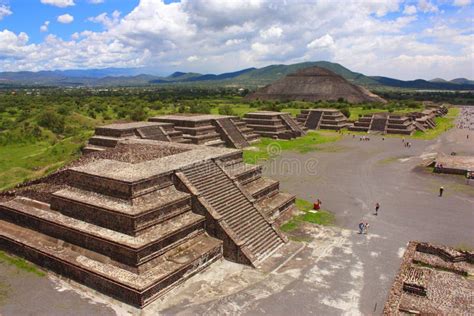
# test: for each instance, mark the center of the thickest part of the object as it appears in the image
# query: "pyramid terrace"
(136, 220)
(278, 125)
(322, 119)
(211, 130)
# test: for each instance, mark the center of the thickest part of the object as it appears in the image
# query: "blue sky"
(403, 39)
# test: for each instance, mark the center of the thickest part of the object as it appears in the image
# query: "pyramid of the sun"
(314, 84)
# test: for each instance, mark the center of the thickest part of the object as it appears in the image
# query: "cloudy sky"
(403, 39)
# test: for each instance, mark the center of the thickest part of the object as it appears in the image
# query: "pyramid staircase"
(292, 124)
(313, 119)
(248, 227)
(379, 123)
(232, 134)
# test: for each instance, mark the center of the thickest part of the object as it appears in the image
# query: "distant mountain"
(250, 77)
(438, 80)
(462, 81)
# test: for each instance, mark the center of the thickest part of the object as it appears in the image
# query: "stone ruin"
(433, 280)
(211, 130)
(384, 123)
(462, 165)
(322, 119)
(279, 125)
(108, 136)
(136, 220)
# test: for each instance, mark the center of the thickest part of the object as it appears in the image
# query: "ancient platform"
(322, 119)
(108, 136)
(433, 280)
(454, 164)
(274, 124)
(135, 220)
(314, 84)
(384, 123)
(211, 130)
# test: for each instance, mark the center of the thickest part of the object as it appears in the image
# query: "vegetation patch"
(307, 215)
(270, 148)
(20, 264)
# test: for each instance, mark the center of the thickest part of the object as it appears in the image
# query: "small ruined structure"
(423, 120)
(135, 220)
(314, 84)
(274, 124)
(322, 119)
(432, 280)
(108, 136)
(463, 165)
(211, 130)
(384, 123)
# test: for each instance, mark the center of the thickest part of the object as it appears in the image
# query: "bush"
(226, 109)
(201, 108)
(51, 120)
(138, 114)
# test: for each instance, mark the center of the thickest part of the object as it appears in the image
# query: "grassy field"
(269, 148)
(321, 217)
(22, 162)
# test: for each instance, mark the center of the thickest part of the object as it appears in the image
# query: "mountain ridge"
(251, 77)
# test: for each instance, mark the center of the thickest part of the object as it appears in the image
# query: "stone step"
(244, 173)
(276, 204)
(129, 250)
(92, 149)
(104, 141)
(261, 240)
(215, 143)
(262, 187)
(120, 215)
(229, 189)
(104, 177)
(92, 270)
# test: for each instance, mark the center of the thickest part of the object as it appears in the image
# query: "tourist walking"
(366, 228)
(441, 190)
(377, 206)
(361, 227)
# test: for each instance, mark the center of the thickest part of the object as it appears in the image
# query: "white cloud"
(4, 11)
(234, 41)
(59, 3)
(272, 32)
(96, 1)
(461, 3)
(65, 18)
(426, 6)
(325, 41)
(44, 27)
(192, 58)
(105, 20)
(218, 36)
(409, 10)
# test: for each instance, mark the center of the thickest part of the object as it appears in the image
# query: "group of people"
(364, 227)
(364, 138)
(466, 119)
(406, 144)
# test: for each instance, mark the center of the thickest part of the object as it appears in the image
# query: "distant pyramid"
(314, 84)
